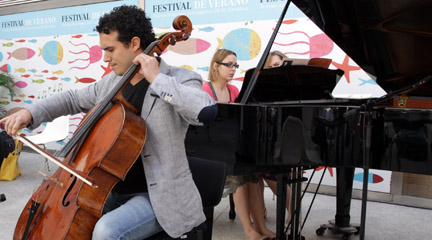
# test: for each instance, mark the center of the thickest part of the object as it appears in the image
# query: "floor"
(384, 221)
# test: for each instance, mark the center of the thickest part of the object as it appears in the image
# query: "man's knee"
(102, 231)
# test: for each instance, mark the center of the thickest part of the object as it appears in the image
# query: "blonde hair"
(274, 53)
(219, 56)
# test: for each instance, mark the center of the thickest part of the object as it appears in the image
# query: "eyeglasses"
(229, 65)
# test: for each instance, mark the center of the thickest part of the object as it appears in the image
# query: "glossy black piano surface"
(391, 40)
(284, 135)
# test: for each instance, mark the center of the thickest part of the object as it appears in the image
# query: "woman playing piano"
(245, 188)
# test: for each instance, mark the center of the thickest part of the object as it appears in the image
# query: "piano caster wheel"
(346, 236)
(320, 231)
(296, 238)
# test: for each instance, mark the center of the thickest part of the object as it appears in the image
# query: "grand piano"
(291, 121)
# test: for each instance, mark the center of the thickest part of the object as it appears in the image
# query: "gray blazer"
(177, 100)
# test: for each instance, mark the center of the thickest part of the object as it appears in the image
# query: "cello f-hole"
(64, 203)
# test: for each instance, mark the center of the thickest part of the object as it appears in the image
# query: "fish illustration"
(191, 46)
(85, 80)
(5, 68)
(220, 43)
(372, 178)
(369, 81)
(206, 29)
(52, 52)
(186, 67)
(39, 81)
(243, 41)
(289, 21)
(22, 53)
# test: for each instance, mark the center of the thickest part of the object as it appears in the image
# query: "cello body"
(69, 209)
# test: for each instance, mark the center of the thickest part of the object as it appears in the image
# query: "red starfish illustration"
(346, 67)
(329, 169)
(107, 69)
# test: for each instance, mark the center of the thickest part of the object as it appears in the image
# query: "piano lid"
(391, 39)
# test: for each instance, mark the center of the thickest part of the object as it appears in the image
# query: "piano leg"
(280, 205)
(296, 182)
(295, 179)
(344, 185)
(341, 224)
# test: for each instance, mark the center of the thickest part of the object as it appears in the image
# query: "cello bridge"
(52, 179)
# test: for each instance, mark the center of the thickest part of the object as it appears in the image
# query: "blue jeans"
(126, 216)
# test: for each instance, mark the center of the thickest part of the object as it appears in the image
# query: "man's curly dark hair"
(128, 21)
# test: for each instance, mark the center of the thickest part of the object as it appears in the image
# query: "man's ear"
(135, 43)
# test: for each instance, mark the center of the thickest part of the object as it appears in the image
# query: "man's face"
(116, 53)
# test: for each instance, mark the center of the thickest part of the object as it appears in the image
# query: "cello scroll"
(182, 23)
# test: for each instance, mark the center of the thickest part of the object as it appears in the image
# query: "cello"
(68, 204)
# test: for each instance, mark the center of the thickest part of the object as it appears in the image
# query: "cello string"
(102, 107)
(105, 104)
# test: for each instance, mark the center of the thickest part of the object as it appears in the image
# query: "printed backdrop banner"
(216, 11)
(70, 20)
